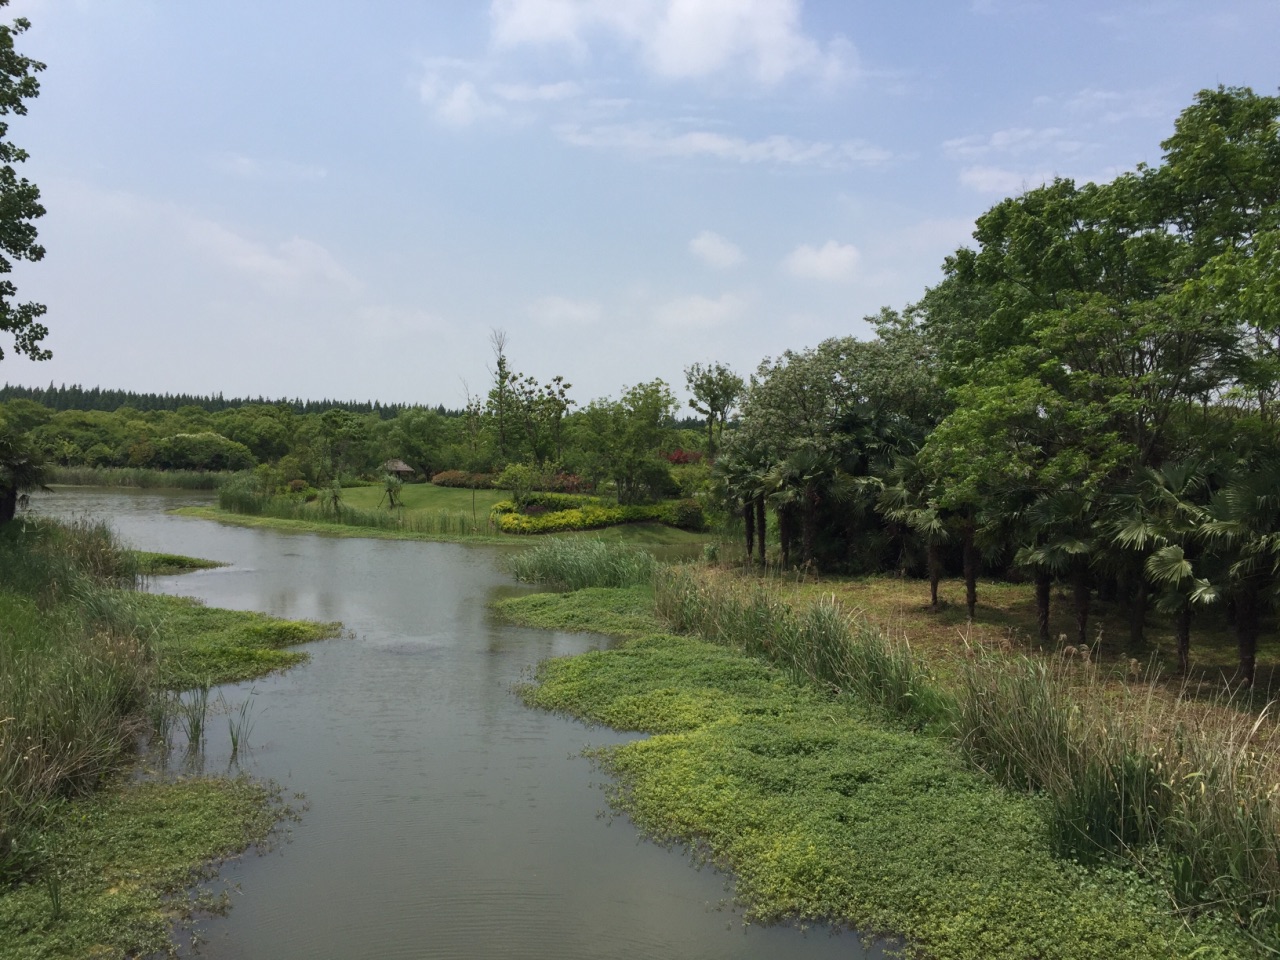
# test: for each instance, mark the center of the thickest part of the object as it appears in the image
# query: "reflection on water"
(444, 819)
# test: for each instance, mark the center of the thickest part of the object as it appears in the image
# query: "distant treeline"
(76, 397)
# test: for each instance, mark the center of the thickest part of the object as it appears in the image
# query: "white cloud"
(832, 261)
(1000, 180)
(698, 312)
(295, 265)
(529, 93)
(714, 250)
(680, 39)
(660, 140)
(564, 312)
(457, 104)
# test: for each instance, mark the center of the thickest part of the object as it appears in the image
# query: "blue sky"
(333, 199)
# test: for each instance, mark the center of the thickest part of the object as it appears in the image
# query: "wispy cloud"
(1016, 141)
(680, 39)
(294, 265)
(255, 168)
(831, 262)
(534, 93)
(655, 139)
(1000, 180)
(699, 312)
(565, 312)
(714, 250)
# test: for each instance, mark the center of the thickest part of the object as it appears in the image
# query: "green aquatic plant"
(575, 564)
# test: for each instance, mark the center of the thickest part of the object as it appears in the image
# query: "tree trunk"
(785, 523)
(808, 528)
(935, 573)
(1182, 630)
(749, 521)
(1247, 617)
(8, 504)
(761, 527)
(970, 570)
(1081, 597)
(1137, 616)
(1044, 591)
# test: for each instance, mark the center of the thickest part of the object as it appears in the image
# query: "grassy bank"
(82, 658)
(823, 813)
(1018, 807)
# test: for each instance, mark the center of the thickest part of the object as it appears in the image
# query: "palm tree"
(905, 498)
(1063, 525)
(1159, 519)
(1242, 530)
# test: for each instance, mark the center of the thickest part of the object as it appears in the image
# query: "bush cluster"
(461, 478)
(565, 513)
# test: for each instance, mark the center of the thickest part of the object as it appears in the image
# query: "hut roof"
(397, 466)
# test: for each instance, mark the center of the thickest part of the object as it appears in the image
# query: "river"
(443, 818)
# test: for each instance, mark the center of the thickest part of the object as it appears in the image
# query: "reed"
(140, 477)
(1131, 770)
(74, 672)
(819, 643)
(578, 563)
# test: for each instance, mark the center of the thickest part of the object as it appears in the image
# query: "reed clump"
(1183, 788)
(577, 564)
(74, 671)
(818, 643)
(142, 478)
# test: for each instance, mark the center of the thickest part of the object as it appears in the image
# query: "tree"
(19, 198)
(21, 469)
(715, 390)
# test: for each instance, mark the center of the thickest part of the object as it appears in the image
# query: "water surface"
(444, 819)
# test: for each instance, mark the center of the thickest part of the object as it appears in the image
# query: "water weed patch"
(115, 867)
(195, 644)
(614, 611)
(823, 814)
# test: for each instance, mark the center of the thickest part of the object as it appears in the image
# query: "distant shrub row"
(564, 513)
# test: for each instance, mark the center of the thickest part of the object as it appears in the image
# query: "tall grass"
(74, 671)
(1187, 791)
(817, 643)
(575, 564)
(141, 477)
(239, 498)
(1129, 769)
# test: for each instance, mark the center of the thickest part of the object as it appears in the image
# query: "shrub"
(461, 478)
(679, 456)
(687, 515)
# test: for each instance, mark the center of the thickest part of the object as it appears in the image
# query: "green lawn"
(420, 497)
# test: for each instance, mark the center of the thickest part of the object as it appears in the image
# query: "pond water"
(443, 818)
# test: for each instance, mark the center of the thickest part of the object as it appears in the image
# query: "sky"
(337, 200)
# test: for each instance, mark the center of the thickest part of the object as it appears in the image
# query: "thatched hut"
(398, 468)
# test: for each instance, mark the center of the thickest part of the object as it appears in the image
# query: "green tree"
(21, 469)
(19, 198)
(715, 390)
